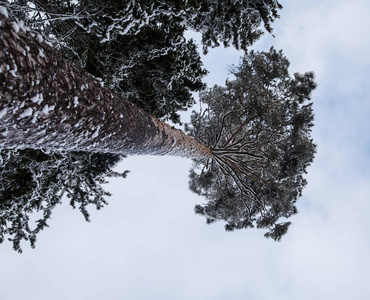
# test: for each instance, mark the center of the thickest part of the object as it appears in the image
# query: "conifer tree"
(47, 102)
(137, 48)
(34, 181)
(252, 142)
(237, 23)
(40, 94)
(120, 40)
(258, 127)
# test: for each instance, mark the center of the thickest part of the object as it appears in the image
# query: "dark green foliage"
(138, 47)
(259, 127)
(238, 23)
(34, 181)
(148, 60)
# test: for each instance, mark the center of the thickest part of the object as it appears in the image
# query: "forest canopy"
(257, 127)
(138, 47)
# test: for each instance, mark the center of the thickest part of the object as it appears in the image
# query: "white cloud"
(313, 31)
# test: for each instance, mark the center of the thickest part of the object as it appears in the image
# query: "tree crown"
(258, 127)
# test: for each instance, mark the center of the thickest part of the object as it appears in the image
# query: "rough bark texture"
(46, 102)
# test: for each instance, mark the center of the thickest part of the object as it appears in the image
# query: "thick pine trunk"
(46, 102)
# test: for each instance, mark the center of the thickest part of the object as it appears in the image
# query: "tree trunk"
(46, 102)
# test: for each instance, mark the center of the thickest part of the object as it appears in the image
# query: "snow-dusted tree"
(258, 128)
(32, 181)
(91, 34)
(124, 57)
(46, 102)
(138, 47)
(253, 139)
(239, 23)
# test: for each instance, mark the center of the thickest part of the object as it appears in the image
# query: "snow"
(41, 140)
(41, 53)
(15, 26)
(35, 117)
(12, 72)
(96, 133)
(5, 133)
(46, 109)
(75, 101)
(27, 112)
(40, 38)
(4, 12)
(3, 112)
(22, 26)
(37, 99)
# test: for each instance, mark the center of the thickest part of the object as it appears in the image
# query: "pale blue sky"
(148, 244)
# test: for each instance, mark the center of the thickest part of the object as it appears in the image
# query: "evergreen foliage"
(238, 23)
(33, 181)
(258, 127)
(138, 47)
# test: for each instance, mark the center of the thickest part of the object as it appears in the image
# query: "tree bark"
(46, 102)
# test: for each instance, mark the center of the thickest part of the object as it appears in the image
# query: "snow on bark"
(3, 11)
(39, 89)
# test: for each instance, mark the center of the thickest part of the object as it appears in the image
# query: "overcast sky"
(148, 244)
